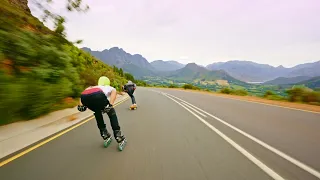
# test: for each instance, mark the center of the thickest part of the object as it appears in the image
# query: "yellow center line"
(51, 138)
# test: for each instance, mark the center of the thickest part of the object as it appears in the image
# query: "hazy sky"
(272, 32)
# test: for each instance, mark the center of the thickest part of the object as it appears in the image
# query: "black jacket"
(129, 87)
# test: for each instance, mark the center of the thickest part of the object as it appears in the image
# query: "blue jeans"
(130, 93)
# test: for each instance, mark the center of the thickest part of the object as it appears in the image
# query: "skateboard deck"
(133, 107)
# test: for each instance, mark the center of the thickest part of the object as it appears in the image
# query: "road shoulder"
(19, 135)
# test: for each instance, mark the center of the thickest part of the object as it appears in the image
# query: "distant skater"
(130, 87)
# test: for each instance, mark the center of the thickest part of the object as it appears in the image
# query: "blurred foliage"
(58, 20)
(302, 94)
(239, 92)
(173, 86)
(190, 86)
(268, 93)
(40, 70)
(226, 90)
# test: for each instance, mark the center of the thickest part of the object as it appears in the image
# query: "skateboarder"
(130, 87)
(96, 99)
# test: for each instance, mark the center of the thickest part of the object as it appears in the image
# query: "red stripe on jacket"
(91, 90)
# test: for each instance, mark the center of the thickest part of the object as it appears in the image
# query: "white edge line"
(285, 107)
(185, 104)
(265, 168)
(276, 151)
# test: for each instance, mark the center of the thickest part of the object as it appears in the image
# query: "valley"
(235, 75)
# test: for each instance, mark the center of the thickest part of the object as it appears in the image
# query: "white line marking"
(280, 106)
(265, 168)
(276, 151)
(194, 109)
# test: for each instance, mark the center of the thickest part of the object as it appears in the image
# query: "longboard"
(133, 107)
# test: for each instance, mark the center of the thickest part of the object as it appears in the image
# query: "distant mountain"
(253, 72)
(137, 71)
(161, 65)
(308, 69)
(245, 71)
(287, 80)
(249, 71)
(193, 71)
(135, 64)
(313, 83)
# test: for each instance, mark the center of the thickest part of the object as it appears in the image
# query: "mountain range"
(245, 71)
(194, 72)
(161, 65)
(253, 72)
(287, 80)
(135, 64)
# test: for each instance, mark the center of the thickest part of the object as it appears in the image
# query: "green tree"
(59, 21)
(268, 93)
(121, 72)
(129, 76)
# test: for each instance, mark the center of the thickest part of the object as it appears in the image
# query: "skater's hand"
(108, 108)
(82, 108)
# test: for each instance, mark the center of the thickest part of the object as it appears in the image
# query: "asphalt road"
(169, 139)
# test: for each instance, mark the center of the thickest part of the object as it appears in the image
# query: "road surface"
(177, 135)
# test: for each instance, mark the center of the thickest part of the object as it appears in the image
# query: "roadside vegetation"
(298, 94)
(41, 71)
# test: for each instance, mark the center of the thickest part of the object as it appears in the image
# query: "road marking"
(194, 109)
(265, 168)
(274, 150)
(52, 138)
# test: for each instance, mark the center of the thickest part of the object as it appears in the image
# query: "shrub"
(275, 97)
(268, 93)
(173, 86)
(240, 92)
(311, 96)
(303, 95)
(190, 86)
(226, 90)
(295, 94)
(141, 83)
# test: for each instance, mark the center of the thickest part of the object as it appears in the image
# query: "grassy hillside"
(313, 83)
(287, 80)
(41, 71)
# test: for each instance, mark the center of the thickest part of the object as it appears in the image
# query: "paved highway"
(178, 135)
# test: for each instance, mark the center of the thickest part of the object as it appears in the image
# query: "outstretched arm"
(113, 96)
